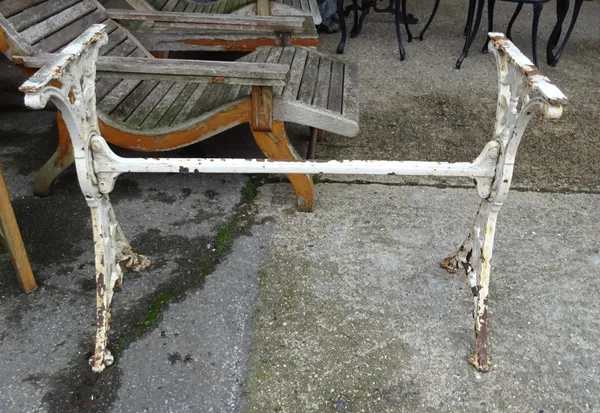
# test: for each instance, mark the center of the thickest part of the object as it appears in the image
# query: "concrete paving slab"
(357, 316)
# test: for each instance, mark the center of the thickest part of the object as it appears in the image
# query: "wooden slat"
(190, 105)
(220, 8)
(40, 12)
(162, 106)
(190, 8)
(351, 89)
(286, 58)
(11, 237)
(200, 8)
(179, 69)
(117, 94)
(309, 79)
(173, 20)
(180, 6)
(56, 22)
(13, 42)
(245, 90)
(296, 69)
(62, 37)
(170, 5)
(133, 100)
(208, 99)
(104, 85)
(336, 87)
(304, 5)
(115, 38)
(177, 105)
(9, 8)
(322, 87)
(159, 4)
(296, 4)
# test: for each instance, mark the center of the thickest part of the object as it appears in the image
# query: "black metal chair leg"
(363, 14)
(512, 20)
(473, 32)
(398, 34)
(554, 58)
(355, 27)
(340, 10)
(537, 10)
(435, 8)
(491, 5)
(409, 36)
(470, 15)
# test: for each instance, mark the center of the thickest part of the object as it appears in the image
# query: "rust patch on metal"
(448, 264)
(479, 357)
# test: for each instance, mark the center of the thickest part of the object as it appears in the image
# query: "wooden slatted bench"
(277, 7)
(162, 113)
(523, 93)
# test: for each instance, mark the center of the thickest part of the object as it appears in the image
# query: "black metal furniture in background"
(562, 7)
(397, 7)
(538, 5)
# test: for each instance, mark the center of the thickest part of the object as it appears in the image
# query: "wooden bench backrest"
(219, 6)
(30, 27)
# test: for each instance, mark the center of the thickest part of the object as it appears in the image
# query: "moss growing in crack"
(157, 305)
(316, 178)
(250, 190)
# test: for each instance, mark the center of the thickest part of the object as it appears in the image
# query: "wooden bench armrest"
(241, 73)
(212, 22)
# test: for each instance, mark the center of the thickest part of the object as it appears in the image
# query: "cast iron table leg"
(562, 7)
(473, 29)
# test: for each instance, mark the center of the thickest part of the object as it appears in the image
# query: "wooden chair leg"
(276, 146)
(11, 238)
(60, 160)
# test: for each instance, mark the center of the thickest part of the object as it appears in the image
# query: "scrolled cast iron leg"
(108, 273)
(342, 43)
(491, 5)
(512, 20)
(484, 231)
(113, 253)
(433, 13)
(537, 10)
(474, 256)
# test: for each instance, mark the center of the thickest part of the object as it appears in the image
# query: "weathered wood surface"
(213, 21)
(304, 7)
(182, 70)
(10, 236)
(262, 109)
